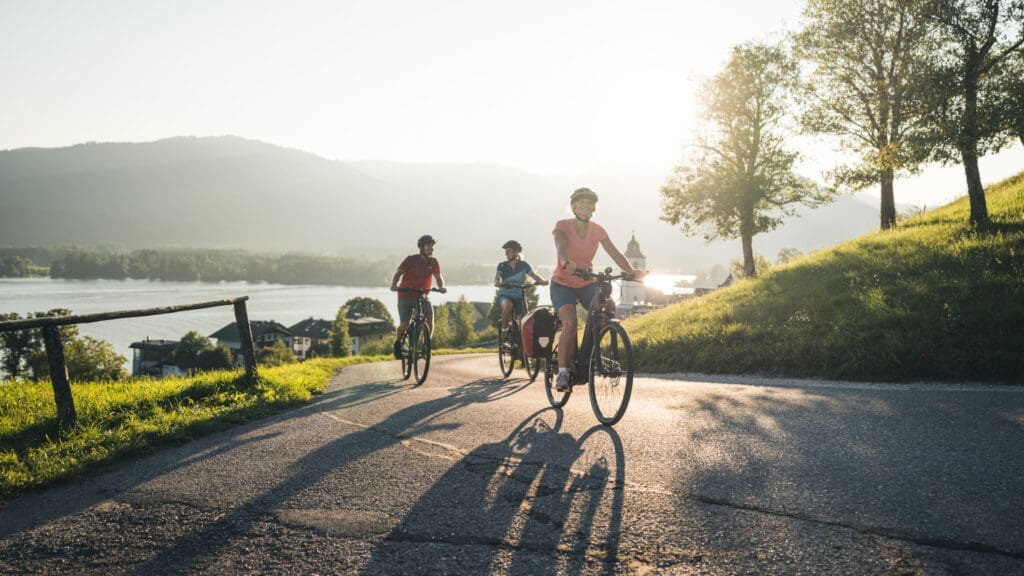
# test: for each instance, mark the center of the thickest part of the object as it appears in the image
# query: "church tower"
(633, 293)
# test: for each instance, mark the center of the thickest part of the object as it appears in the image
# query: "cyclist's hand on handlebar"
(442, 289)
(394, 288)
(542, 282)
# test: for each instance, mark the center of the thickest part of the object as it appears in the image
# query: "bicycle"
(415, 352)
(604, 361)
(510, 342)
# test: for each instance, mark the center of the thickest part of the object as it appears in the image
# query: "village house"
(264, 333)
(364, 330)
(312, 333)
(309, 334)
(154, 358)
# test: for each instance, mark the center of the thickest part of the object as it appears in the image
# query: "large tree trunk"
(888, 218)
(969, 148)
(748, 255)
(975, 191)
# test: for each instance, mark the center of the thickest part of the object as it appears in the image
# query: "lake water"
(284, 304)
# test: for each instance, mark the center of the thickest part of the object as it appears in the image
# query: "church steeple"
(633, 249)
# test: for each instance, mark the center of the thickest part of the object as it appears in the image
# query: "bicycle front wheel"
(406, 351)
(556, 398)
(507, 351)
(611, 374)
(421, 352)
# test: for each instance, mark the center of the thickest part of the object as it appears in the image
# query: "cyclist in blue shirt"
(513, 270)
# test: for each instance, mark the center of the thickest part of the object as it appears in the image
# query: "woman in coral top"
(576, 241)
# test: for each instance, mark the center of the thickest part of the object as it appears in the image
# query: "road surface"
(472, 474)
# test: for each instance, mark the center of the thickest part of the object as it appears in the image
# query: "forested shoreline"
(204, 265)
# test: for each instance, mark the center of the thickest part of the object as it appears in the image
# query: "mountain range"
(229, 192)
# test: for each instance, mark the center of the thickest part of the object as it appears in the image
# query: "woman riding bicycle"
(513, 272)
(576, 241)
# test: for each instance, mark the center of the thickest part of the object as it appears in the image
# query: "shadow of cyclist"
(537, 502)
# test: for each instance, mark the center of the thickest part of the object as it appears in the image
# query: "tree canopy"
(739, 179)
(364, 307)
(979, 40)
(869, 66)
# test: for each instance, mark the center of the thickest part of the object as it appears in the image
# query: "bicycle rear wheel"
(407, 353)
(611, 374)
(532, 366)
(507, 350)
(421, 352)
(556, 398)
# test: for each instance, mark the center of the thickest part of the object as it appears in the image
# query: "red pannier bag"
(538, 330)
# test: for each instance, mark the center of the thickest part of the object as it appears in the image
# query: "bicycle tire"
(421, 353)
(406, 352)
(556, 398)
(506, 352)
(532, 366)
(611, 374)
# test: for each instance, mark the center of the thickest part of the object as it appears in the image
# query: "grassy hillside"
(931, 300)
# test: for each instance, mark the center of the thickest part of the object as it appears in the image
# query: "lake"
(284, 304)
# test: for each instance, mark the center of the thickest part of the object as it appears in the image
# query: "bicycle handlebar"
(417, 290)
(521, 287)
(605, 276)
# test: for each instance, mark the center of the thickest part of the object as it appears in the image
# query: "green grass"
(932, 299)
(118, 419)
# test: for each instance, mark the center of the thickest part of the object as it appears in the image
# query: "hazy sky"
(550, 86)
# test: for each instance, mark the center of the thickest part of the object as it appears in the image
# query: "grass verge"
(118, 419)
(933, 299)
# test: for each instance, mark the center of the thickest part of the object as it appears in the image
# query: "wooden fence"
(55, 348)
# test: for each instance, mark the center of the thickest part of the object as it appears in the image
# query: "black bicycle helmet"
(581, 193)
(425, 239)
(513, 245)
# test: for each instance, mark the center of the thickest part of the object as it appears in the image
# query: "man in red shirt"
(416, 271)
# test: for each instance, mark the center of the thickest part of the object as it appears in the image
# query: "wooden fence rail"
(55, 348)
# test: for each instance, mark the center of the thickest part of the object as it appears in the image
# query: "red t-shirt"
(417, 273)
(579, 250)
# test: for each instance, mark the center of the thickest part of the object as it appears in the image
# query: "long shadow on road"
(536, 502)
(202, 546)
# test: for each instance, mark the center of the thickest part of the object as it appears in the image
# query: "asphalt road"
(471, 474)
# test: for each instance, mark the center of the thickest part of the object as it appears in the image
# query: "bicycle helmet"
(513, 245)
(425, 239)
(582, 193)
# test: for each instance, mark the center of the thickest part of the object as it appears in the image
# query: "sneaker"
(398, 349)
(562, 384)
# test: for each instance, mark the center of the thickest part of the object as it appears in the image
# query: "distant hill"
(228, 192)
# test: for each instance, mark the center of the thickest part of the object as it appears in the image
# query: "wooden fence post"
(59, 376)
(245, 337)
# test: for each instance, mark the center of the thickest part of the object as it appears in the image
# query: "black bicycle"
(510, 342)
(604, 360)
(415, 353)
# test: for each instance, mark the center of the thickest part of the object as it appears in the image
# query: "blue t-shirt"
(510, 276)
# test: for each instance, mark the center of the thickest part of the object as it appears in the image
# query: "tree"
(869, 68)
(17, 346)
(87, 359)
(787, 255)
(1012, 96)
(339, 343)
(462, 322)
(441, 337)
(362, 307)
(214, 358)
(739, 180)
(978, 38)
(186, 353)
(276, 354)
